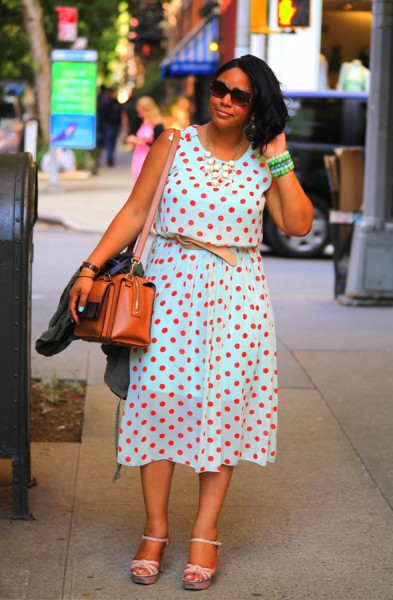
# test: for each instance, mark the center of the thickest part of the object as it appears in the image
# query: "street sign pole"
(370, 272)
(53, 180)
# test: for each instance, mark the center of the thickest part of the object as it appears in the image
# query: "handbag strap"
(113, 266)
(156, 198)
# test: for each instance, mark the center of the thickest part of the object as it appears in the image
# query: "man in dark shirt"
(111, 119)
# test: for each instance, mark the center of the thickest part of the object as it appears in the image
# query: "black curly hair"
(269, 107)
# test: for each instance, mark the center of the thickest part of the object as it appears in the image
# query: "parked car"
(11, 125)
(319, 123)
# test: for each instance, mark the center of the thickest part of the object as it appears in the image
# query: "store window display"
(323, 79)
(353, 77)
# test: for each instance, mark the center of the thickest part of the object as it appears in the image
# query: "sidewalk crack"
(292, 353)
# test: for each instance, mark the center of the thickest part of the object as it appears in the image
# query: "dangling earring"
(250, 129)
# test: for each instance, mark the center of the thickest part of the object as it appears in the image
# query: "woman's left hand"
(276, 146)
(286, 201)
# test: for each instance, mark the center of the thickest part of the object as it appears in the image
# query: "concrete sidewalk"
(87, 202)
(317, 524)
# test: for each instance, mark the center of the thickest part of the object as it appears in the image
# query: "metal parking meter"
(18, 213)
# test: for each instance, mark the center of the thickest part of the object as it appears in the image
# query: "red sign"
(67, 23)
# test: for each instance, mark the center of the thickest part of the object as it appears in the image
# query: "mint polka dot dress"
(204, 393)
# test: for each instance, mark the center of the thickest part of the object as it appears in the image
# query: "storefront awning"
(193, 55)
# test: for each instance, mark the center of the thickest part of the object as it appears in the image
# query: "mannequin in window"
(323, 82)
(364, 57)
(353, 77)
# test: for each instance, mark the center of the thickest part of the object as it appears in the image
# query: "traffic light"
(258, 16)
(293, 13)
(146, 31)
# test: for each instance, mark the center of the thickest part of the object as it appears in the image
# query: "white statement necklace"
(219, 170)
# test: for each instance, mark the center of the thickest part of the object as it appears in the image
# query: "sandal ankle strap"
(215, 543)
(154, 539)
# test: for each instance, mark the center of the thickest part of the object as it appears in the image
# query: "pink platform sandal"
(153, 567)
(205, 572)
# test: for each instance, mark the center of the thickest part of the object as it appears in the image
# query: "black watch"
(88, 265)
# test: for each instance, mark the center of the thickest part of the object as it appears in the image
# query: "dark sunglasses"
(239, 97)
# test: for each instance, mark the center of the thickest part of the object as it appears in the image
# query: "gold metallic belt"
(222, 251)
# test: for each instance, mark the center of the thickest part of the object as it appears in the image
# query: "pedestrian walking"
(111, 121)
(147, 133)
(96, 152)
(133, 119)
(101, 105)
(204, 393)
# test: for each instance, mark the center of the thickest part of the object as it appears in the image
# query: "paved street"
(317, 524)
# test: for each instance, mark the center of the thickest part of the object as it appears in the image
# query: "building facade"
(205, 34)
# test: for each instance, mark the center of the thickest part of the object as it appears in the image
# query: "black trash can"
(18, 213)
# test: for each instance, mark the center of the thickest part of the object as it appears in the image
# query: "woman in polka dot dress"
(204, 393)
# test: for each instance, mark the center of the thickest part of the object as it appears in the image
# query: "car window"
(327, 120)
(7, 110)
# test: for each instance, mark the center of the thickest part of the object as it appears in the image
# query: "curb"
(66, 224)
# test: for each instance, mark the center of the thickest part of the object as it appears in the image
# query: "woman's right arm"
(125, 227)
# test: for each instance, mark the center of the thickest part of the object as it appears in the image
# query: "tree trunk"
(32, 18)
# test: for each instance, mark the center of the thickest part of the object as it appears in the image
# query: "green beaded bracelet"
(283, 169)
(279, 158)
(288, 163)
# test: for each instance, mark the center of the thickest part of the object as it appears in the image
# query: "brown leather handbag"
(119, 308)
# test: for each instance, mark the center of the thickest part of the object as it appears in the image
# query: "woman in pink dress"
(147, 133)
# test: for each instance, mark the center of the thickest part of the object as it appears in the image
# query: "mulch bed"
(56, 410)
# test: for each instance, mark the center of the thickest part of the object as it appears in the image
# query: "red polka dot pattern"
(204, 393)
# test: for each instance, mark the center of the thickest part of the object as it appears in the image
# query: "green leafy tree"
(15, 59)
(28, 33)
